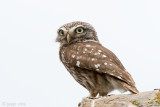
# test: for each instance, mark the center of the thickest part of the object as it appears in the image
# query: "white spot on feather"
(92, 59)
(88, 45)
(104, 56)
(97, 65)
(97, 69)
(78, 63)
(110, 64)
(96, 54)
(119, 77)
(85, 49)
(99, 50)
(105, 63)
(110, 59)
(73, 56)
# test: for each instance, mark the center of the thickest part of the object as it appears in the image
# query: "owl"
(92, 65)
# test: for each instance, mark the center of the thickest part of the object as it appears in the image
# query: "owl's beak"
(68, 38)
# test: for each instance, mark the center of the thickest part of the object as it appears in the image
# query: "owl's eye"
(61, 32)
(79, 30)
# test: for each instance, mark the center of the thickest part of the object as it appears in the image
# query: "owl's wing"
(95, 57)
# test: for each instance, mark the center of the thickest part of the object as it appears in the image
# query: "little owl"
(93, 66)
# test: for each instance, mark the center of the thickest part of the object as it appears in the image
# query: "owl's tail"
(132, 89)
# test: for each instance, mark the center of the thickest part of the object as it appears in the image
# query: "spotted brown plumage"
(93, 66)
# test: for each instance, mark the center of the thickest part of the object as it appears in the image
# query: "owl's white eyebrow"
(74, 27)
(79, 26)
(62, 28)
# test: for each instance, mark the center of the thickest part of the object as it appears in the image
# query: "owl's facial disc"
(75, 33)
(67, 36)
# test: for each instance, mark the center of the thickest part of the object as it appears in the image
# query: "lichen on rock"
(143, 99)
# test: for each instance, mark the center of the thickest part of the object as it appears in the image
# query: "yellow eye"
(79, 30)
(61, 32)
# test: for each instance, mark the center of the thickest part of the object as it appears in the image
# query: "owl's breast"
(63, 57)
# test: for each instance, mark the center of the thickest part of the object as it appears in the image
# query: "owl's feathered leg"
(103, 94)
(93, 94)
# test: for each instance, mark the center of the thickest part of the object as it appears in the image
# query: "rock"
(143, 99)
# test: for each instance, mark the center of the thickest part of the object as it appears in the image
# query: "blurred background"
(31, 74)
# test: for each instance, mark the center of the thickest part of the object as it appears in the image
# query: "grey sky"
(30, 70)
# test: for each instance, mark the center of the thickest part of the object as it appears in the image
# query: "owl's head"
(76, 32)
